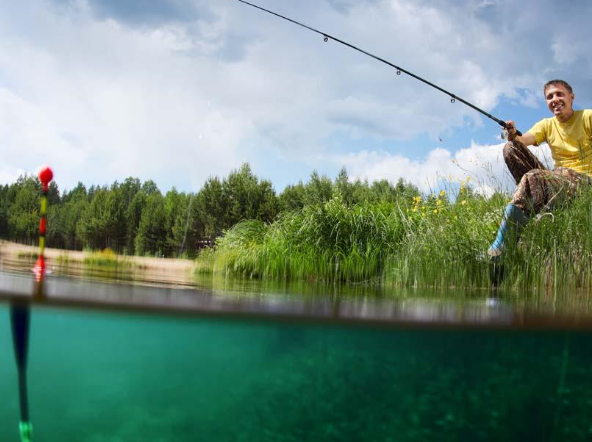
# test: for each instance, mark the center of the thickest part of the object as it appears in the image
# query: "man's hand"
(526, 138)
(511, 129)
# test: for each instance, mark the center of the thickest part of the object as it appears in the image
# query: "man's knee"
(530, 192)
(512, 149)
(509, 148)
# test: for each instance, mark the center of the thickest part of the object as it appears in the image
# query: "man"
(569, 136)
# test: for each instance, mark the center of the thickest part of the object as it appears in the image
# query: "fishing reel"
(505, 133)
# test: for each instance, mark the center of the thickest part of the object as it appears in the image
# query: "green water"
(127, 377)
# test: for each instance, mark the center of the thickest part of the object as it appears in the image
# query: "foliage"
(329, 241)
(23, 211)
(104, 258)
(151, 237)
(412, 241)
(135, 217)
(335, 231)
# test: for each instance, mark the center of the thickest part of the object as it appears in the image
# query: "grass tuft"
(105, 258)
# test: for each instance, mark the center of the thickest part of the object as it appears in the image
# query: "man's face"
(559, 101)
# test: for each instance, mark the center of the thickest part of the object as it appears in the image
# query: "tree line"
(136, 218)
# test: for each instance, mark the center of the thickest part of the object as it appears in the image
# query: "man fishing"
(569, 136)
(568, 133)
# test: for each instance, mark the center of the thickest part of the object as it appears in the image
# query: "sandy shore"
(11, 250)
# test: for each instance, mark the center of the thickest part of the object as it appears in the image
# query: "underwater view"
(130, 377)
(185, 365)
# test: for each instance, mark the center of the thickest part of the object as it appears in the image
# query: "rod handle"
(505, 131)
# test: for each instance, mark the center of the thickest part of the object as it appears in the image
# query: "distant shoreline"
(56, 257)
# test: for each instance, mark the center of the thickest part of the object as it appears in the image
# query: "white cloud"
(120, 103)
(530, 99)
(9, 175)
(565, 49)
(178, 100)
(482, 164)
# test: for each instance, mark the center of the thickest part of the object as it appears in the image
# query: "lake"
(234, 360)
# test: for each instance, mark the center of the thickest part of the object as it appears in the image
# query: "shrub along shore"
(420, 241)
(135, 218)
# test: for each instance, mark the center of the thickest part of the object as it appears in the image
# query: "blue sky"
(179, 90)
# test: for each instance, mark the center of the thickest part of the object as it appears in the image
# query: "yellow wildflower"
(442, 193)
(463, 202)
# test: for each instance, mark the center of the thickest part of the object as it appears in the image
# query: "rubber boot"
(514, 219)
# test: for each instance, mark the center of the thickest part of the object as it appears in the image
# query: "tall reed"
(413, 242)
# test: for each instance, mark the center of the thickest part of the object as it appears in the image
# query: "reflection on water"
(137, 274)
(370, 301)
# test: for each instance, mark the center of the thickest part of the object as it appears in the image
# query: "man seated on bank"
(569, 136)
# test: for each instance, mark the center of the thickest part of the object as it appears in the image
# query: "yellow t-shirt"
(570, 142)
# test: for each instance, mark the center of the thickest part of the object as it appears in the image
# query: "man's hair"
(563, 83)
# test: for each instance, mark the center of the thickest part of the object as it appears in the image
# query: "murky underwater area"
(242, 364)
(121, 377)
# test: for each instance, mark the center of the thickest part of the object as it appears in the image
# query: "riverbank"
(162, 270)
(417, 242)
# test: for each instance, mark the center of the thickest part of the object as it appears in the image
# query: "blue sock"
(513, 218)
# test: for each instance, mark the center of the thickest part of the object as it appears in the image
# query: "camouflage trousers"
(538, 187)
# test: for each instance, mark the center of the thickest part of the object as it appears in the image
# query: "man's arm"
(527, 138)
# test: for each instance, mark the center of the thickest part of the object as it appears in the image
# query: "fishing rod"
(327, 37)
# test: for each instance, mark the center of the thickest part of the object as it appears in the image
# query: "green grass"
(105, 258)
(27, 255)
(330, 242)
(64, 260)
(422, 242)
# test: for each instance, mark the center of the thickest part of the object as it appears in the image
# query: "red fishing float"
(45, 176)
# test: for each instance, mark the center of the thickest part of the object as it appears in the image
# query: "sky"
(181, 90)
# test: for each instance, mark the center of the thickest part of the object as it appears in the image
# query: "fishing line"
(399, 70)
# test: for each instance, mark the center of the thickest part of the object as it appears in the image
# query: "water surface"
(121, 359)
